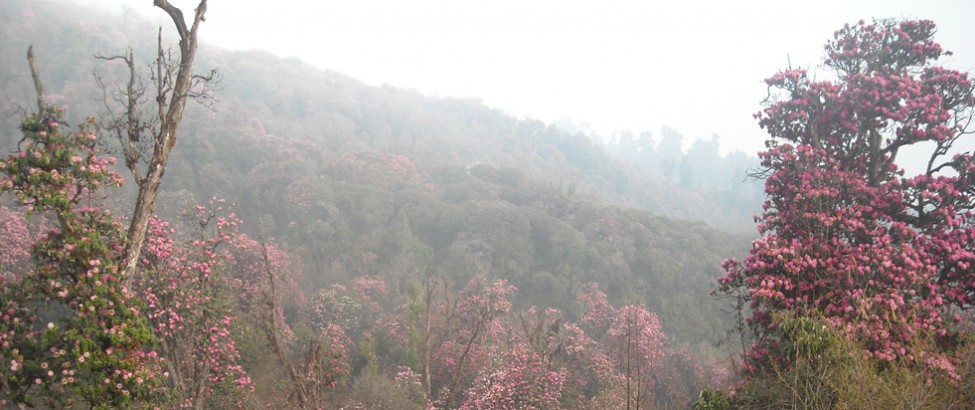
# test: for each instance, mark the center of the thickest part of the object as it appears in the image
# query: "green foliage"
(821, 369)
(805, 337)
(377, 391)
(712, 399)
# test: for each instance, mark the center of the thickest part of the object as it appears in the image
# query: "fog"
(697, 67)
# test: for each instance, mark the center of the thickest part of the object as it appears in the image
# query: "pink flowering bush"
(517, 378)
(357, 311)
(627, 362)
(93, 348)
(471, 323)
(245, 268)
(634, 342)
(882, 255)
(598, 312)
(189, 307)
(313, 355)
(387, 168)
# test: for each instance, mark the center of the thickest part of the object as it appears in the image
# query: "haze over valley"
(364, 240)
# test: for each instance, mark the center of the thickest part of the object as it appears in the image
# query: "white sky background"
(697, 66)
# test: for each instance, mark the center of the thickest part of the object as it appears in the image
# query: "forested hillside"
(379, 209)
(321, 243)
(262, 94)
(364, 180)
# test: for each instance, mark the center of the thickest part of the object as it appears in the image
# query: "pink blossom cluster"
(187, 306)
(516, 379)
(383, 166)
(15, 243)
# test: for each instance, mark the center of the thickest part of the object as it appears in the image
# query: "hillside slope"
(355, 179)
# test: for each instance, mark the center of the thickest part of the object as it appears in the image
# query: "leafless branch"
(129, 127)
(203, 88)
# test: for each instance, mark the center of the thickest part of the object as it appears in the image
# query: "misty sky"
(638, 65)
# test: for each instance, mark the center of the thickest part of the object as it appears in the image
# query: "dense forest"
(318, 242)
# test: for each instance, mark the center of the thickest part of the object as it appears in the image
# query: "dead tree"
(148, 138)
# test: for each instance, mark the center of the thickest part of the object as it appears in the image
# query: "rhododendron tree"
(424, 327)
(356, 310)
(189, 307)
(528, 371)
(679, 376)
(247, 268)
(314, 366)
(882, 254)
(93, 345)
(475, 316)
(627, 363)
(336, 306)
(635, 344)
(401, 390)
(598, 312)
(631, 349)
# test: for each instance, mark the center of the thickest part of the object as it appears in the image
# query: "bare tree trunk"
(37, 79)
(170, 116)
(627, 369)
(303, 389)
(430, 289)
(433, 332)
(270, 330)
